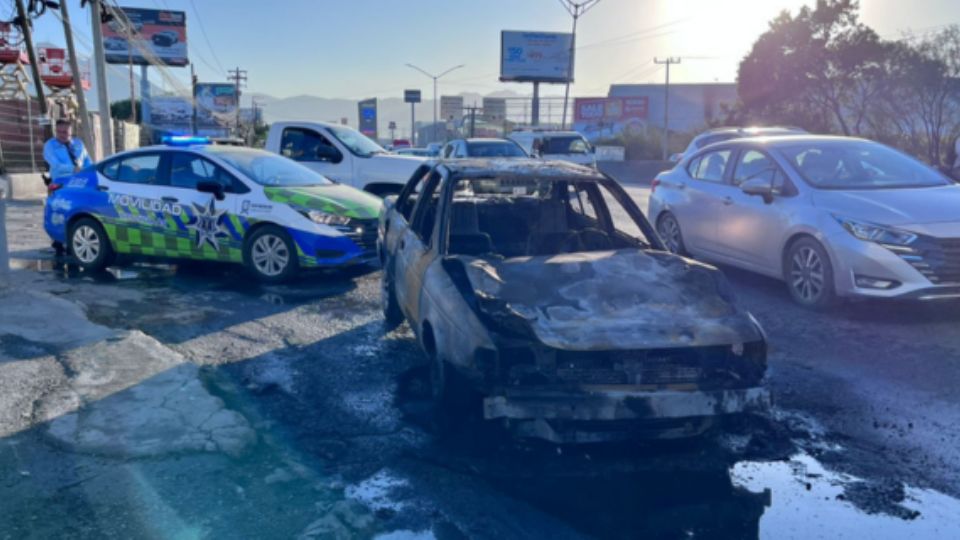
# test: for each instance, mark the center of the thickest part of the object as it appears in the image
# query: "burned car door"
(413, 253)
(400, 212)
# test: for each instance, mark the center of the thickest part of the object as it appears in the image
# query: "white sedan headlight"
(325, 218)
(877, 233)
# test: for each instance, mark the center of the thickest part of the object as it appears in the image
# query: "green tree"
(120, 110)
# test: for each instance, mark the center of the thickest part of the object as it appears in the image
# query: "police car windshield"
(269, 169)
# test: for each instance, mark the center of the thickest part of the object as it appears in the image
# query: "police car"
(188, 199)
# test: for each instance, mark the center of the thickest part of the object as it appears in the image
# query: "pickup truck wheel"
(388, 300)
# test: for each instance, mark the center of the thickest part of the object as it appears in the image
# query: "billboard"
(216, 105)
(494, 109)
(535, 57)
(451, 108)
(156, 36)
(171, 113)
(606, 116)
(367, 112)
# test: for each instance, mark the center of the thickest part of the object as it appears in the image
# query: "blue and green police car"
(188, 199)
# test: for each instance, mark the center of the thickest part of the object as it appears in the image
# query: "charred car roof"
(521, 167)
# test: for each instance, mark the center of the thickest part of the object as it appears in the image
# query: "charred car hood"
(626, 299)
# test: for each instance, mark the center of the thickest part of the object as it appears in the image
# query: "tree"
(819, 69)
(120, 110)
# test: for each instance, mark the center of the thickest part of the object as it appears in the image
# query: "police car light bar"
(184, 140)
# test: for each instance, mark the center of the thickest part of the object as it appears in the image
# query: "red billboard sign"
(607, 109)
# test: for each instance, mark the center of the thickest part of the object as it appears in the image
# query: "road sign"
(411, 96)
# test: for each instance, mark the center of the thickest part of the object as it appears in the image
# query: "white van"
(560, 145)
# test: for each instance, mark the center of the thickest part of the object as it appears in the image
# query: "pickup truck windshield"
(358, 143)
(268, 169)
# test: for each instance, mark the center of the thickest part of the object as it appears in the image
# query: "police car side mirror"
(215, 188)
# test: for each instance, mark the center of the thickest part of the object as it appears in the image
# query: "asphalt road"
(190, 402)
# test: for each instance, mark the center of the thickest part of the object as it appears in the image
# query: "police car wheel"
(270, 255)
(89, 244)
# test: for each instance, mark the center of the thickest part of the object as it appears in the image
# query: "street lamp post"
(434, 77)
(576, 10)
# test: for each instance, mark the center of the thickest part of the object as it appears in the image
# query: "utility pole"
(535, 112)
(85, 132)
(576, 10)
(666, 102)
(32, 54)
(103, 101)
(435, 103)
(239, 77)
(473, 120)
(193, 99)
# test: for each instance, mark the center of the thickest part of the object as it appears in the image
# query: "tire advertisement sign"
(144, 36)
(535, 57)
(605, 116)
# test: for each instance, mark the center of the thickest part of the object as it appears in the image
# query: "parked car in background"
(343, 154)
(556, 145)
(418, 152)
(541, 286)
(831, 216)
(188, 199)
(482, 148)
(728, 133)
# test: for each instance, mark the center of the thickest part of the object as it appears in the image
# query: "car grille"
(362, 232)
(938, 259)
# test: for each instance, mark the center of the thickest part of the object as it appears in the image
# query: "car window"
(754, 164)
(711, 166)
(425, 212)
(622, 222)
(565, 145)
(407, 200)
(447, 150)
(303, 145)
(580, 202)
(495, 149)
(139, 169)
(857, 165)
(187, 170)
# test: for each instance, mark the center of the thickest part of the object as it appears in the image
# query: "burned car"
(542, 287)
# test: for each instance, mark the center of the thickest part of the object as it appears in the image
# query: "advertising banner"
(146, 36)
(367, 112)
(535, 57)
(599, 117)
(494, 109)
(216, 105)
(451, 108)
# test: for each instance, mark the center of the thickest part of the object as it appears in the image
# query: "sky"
(359, 48)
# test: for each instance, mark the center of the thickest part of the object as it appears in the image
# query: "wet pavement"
(191, 402)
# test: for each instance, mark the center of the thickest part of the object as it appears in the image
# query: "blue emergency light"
(184, 140)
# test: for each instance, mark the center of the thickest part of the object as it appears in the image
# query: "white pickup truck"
(342, 154)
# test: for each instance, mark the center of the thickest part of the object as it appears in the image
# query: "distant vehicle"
(191, 200)
(482, 148)
(559, 145)
(401, 143)
(831, 216)
(419, 152)
(115, 44)
(167, 38)
(540, 286)
(728, 133)
(434, 148)
(343, 154)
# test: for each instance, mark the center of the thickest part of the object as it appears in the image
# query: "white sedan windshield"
(269, 169)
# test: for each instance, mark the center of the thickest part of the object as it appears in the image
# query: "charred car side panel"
(562, 320)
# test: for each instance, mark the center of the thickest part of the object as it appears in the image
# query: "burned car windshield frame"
(451, 178)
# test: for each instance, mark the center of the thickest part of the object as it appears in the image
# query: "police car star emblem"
(208, 225)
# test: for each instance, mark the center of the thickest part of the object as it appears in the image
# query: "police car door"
(135, 206)
(210, 227)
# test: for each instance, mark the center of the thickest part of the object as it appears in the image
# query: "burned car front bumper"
(603, 413)
(593, 403)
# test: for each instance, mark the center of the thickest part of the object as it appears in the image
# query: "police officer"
(64, 153)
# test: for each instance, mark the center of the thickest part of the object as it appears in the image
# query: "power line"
(203, 30)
